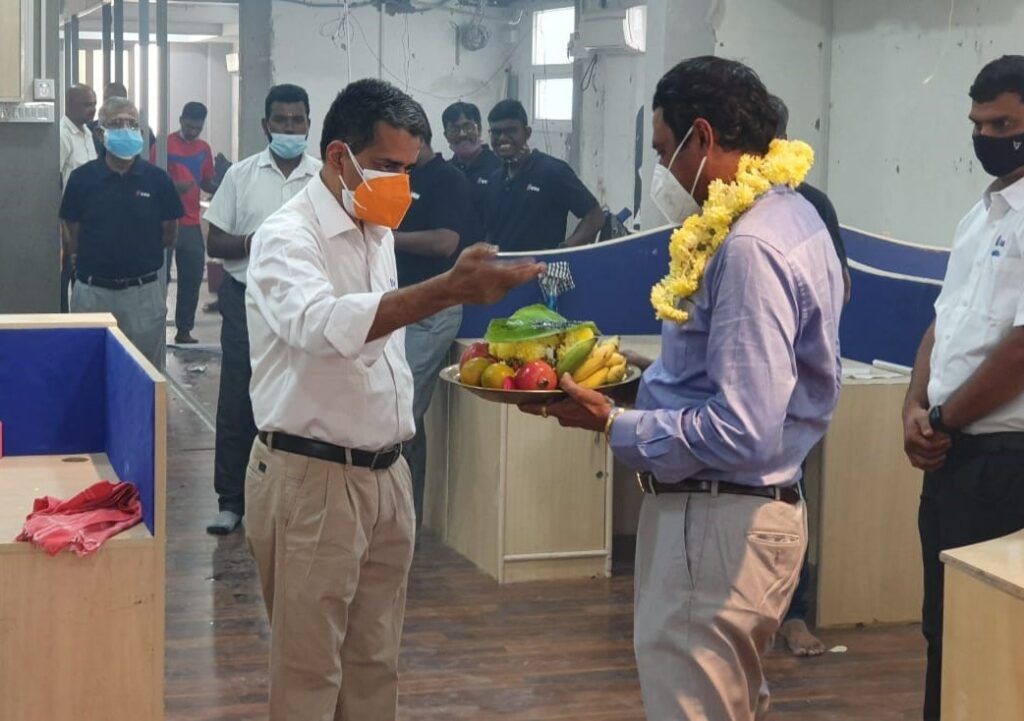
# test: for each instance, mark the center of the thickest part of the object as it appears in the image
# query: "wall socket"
(44, 89)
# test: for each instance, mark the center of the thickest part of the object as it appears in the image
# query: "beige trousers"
(714, 576)
(333, 544)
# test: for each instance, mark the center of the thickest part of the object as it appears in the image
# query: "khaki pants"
(714, 576)
(333, 544)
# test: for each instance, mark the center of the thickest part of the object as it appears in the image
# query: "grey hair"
(113, 106)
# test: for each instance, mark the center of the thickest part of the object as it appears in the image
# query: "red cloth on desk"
(84, 522)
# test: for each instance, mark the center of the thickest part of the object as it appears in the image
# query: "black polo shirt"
(478, 173)
(828, 215)
(529, 211)
(120, 217)
(440, 199)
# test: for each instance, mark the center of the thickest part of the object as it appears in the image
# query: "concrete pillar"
(255, 33)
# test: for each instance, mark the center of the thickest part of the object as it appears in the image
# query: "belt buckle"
(377, 454)
(646, 482)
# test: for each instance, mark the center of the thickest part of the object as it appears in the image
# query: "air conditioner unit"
(612, 31)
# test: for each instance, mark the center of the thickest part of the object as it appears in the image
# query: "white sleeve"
(289, 285)
(223, 210)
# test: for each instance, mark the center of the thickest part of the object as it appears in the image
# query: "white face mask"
(670, 197)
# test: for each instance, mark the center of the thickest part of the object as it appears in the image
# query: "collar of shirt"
(1002, 200)
(305, 166)
(72, 128)
(333, 219)
(135, 169)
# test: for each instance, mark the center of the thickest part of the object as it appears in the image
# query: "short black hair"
(456, 110)
(358, 108)
(1005, 75)
(726, 93)
(508, 109)
(783, 112)
(428, 134)
(285, 93)
(194, 111)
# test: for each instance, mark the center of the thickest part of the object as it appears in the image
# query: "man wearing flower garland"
(963, 416)
(747, 380)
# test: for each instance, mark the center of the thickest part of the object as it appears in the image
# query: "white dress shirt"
(252, 189)
(982, 299)
(315, 281)
(76, 148)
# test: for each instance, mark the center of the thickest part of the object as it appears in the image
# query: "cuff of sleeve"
(623, 440)
(349, 324)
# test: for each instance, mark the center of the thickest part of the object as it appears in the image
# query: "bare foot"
(800, 640)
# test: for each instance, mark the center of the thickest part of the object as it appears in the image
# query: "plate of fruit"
(522, 358)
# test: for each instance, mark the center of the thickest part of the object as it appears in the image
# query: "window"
(552, 64)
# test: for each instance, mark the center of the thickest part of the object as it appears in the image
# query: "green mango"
(574, 357)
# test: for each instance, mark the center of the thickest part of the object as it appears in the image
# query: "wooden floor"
(471, 649)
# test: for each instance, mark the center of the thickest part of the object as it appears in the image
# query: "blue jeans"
(427, 343)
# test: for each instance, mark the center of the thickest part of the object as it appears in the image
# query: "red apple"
(477, 350)
(536, 376)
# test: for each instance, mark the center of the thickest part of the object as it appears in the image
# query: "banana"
(596, 379)
(615, 359)
(594, 362)
(574, 357)
(616, 373)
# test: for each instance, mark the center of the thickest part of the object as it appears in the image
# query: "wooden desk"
(520, 496)
(983, 629)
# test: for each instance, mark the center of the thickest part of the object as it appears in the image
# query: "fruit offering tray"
(523, 358)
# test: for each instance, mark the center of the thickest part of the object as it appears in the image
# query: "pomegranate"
(536, 376)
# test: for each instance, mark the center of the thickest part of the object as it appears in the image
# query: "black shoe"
(185, 339)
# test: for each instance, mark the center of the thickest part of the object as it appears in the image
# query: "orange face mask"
(382, 198)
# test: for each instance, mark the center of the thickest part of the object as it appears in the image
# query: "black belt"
(649, 484)
(374, 460)
(116, 283)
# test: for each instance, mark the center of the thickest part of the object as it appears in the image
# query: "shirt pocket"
(1007, 288)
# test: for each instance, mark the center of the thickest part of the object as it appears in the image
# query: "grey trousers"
(714, 576)
(189, 256)
(141, 312)
(426, 347)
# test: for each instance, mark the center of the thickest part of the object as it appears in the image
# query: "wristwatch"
(935, 421)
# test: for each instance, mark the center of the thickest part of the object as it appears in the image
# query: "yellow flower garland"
(692, 246)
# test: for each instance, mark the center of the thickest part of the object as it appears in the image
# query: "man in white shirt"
(964, 413)
(76, 149)
(252, 189)
(329, 510)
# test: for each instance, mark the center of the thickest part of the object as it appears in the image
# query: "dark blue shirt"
(440, 199)
(121, 217)
(478, 173)
(529, 211)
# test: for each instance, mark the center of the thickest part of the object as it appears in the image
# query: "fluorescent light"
(134, 37)
(231, 60)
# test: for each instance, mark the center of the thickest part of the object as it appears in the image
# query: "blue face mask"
(287, 147)
(124, 143)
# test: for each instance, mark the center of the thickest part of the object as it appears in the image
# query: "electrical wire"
(483, 86)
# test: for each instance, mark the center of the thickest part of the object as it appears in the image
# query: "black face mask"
(999, 156)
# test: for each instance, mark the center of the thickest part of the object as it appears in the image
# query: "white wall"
(199, 73)
(419, 56)
(788, 43)
(901, 160)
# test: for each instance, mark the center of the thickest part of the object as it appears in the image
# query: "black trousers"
(189, 256)
(976, 496)
(236, 428)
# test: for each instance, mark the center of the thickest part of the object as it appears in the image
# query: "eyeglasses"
(122, 124)
(465, 128)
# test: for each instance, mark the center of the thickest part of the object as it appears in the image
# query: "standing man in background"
(963, 419)
(529, 200)
(76, 149)
(190, 165)
(252, 189)
(794, 629)
(462, 127)
(329, 511)
(438, 223)
(121, 212)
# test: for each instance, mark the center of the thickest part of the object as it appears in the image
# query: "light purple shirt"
(745, 388)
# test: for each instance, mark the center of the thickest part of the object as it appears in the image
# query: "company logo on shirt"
(481, 181)
(997, 249)
(142, 194)
(531, 188)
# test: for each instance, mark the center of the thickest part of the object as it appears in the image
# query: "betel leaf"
(537, 312)
(517, 330)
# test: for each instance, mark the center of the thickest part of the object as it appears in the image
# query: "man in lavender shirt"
(727, 413)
